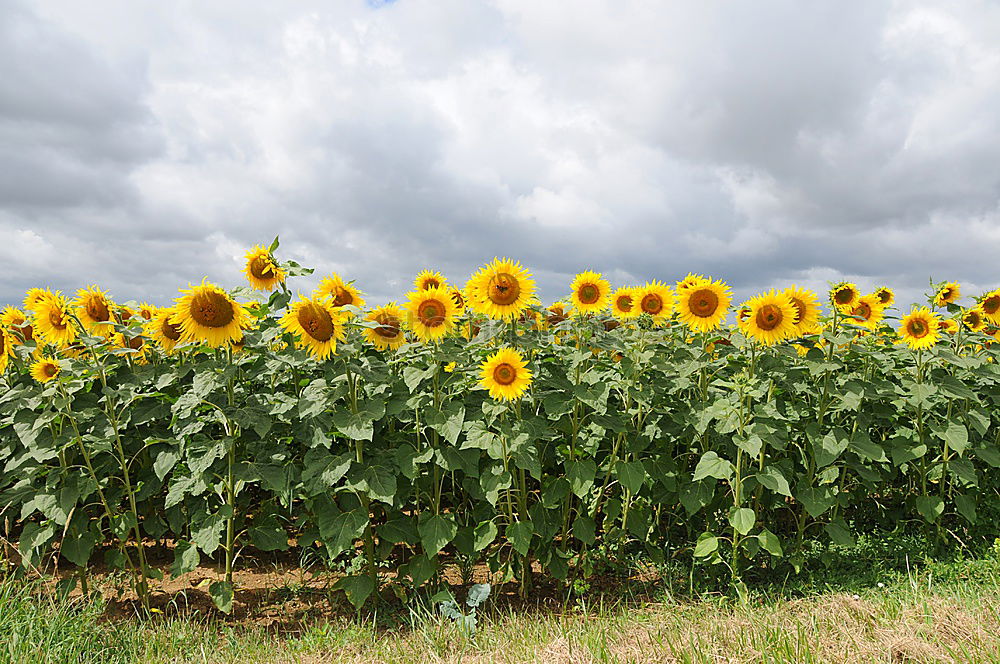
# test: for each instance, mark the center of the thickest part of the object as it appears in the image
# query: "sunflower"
(654, 299)
(470, 330)
(262, 269)
(431, 313)
(136, 343)
(771, 318)
(505, 374)
(427, 279)
(948, 326)
(590, 292)
(885, 296)
(844, 296)
(388, 333)
(807, 308)
(166, 334)
(207, 314)
(94, 309)
(457, 298)
(35, 296)
(690, 281)
(146, 310)
(6, 348)
(556, 313)
(623, 304)
(947, 294)
(45, 369)
(867, 312)
(340, 292)
(15, 321)
(702, 305)
(54, 320)
(919, 328)
(502, 289)
(317, 325)
(974, 318)
(990, 304)
(743, 317)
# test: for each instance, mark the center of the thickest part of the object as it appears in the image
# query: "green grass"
(865, 606)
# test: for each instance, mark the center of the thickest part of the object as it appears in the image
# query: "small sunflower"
(35, 296)
(165, 333)
(388, 334)
(885, 295)
(316, 324)
(502, 289)
(623, 304)
(919, 328)
(6, 348)
(743, 318)
(14, 320)
(45, 369)
(990, 304)
(340, 292)
(654, 299)
(947, 294)
(54, 320)
(95, 309)
(844, 296)
(690, 281)
(505, 374)
(146, 311)
(867, 312)
(771, 318)
(458, 299)
(262, 269)
(556, 313)
(974, 319)
(807, 308)
(948, 326)
(431, 313)
(703, 304)
(207, 314)
(427, 279)
(590, 292)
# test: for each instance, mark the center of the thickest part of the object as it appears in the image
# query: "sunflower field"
(475, 425)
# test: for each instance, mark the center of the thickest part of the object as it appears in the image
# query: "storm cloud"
(145, 146)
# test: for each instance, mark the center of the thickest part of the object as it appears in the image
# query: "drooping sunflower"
(919, 328)
(165, 333)
(702, 306)
(947, 294)
(807, 308)
(771, 318)
(457, 298)
(388, 333)
(340, 292)
(427, 279)
(885, 295)
(556, 313)
(990, 304)
(654, 299)
(95, 309)
(17, 323)
(623, 304)
(844, 296)
(590, 292)
(431, 313)
(316, 324)
(690, 281)
(36, 296)
(974, 318)
(54, 320)
(948, 326)
(867, 312)
(45, 369)
(262, 270)
(136, 343)
(502, 289)
(206, 313)
(505, 374)
(743, 317)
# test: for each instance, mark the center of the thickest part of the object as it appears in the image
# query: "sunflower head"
(623, 304)
(501, 290)
(990, 304)
(690, 281)
(207, 314)
(262, 270)
(866, 312)
(885, 296)
(54, 320)
(919, 328)
(95, 310)
(458, 298)
(6, 348)
(703, 304)
(316, 324)
(806, 309)
(655, 300)
(947, 294)
(557, 312)
(146, 311)
(948, 326)
(770, 319)
(844, 296)
(974, 318)
(590, 292)
(339, 292)
(431, 313)
(45, 369)
(17, 323)
(428, 279)
(387, 333)
(35, 296)
(160, 329)
(505, 374)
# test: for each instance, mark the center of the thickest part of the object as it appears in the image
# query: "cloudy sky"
(146, 145)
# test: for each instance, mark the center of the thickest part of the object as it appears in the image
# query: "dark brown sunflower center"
(169, 330)
(610, 325)
(862, 311)
(556, 315)
(769, 317)
(431, 313)
(504, 374)
(991, 304)
(884, 296)
(624, 303)
(262, 267)
(343, 297)
(211, 309)
(972, 319)
(3, 343)
(57, 320)
(50, 369)
(503, 289)
(946, 294)
(388, 326)
(651, 303)
(844, 296)
(316, 321)
(27, 332)
(743, 314)
(589, 293)
(703, 303)
(97, 309)
(135, 343)
(918, 328)
(431, 282)
(800, 310)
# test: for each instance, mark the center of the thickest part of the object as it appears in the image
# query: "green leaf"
(356, 426)
(322, 470)
(397, 531)
(839, 533)
(930, 507)
(340, 531)
(966, 506)
(77, 548)
(165, 461)
(631, 474)
(421, 568)
(357, 588)
(957, 437)
(448, 421)
(864, 446)
(222, 595)
(712, 465)
(707, 545)
(830, 448)
(436, 530)
(519, 535)
(770, 542)
(585, 529)
(742, 520)
(267, 534)
(186, 558)
(381, 483)
(208, 534)
(581, 476)
(772, 478)
(816, 500)
(484, 535)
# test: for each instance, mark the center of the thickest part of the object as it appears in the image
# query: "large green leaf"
(436, 530)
